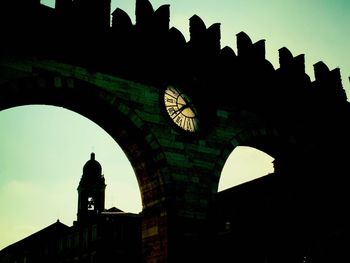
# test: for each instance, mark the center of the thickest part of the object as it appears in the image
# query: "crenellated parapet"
(293, 81)
(328, 84)
(249, 50)
(151, 52)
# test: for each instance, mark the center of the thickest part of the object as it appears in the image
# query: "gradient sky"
(44, 148)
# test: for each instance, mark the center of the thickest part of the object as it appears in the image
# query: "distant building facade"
(245, 218)
(98, 235)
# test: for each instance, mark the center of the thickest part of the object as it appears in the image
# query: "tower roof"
(92, 170)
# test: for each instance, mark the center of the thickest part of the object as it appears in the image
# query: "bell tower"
(91, 191)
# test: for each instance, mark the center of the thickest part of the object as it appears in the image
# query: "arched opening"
(248, 204)
(245, 164)
(43, 150)
(117, 117)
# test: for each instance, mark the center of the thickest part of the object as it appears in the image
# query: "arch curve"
(266, 139)
(129, 131)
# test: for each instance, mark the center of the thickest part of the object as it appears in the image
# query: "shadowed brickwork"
(115, 75)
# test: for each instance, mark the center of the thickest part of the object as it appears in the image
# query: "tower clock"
(181, 109)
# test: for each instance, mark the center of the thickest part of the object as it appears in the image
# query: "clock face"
(181, 109)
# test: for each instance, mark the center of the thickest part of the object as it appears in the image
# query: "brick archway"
(120, 122)
(178, 176)
(266, 139)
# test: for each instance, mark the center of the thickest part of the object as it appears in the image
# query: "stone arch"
(128, 130)
(266, 139)
(261, 207)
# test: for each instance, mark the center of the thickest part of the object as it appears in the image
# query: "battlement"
(151, 52)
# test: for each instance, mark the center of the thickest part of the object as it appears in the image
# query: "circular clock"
(180, 109)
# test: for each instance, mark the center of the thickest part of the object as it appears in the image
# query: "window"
(91, 204)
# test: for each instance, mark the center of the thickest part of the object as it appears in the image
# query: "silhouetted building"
(92, 15)
(42, 246)
(261, 216)
(71, 57)
(99, 235)
(91, 189)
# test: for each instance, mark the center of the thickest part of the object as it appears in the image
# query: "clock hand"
(179, 110)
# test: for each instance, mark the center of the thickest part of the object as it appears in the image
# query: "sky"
(43, 148)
